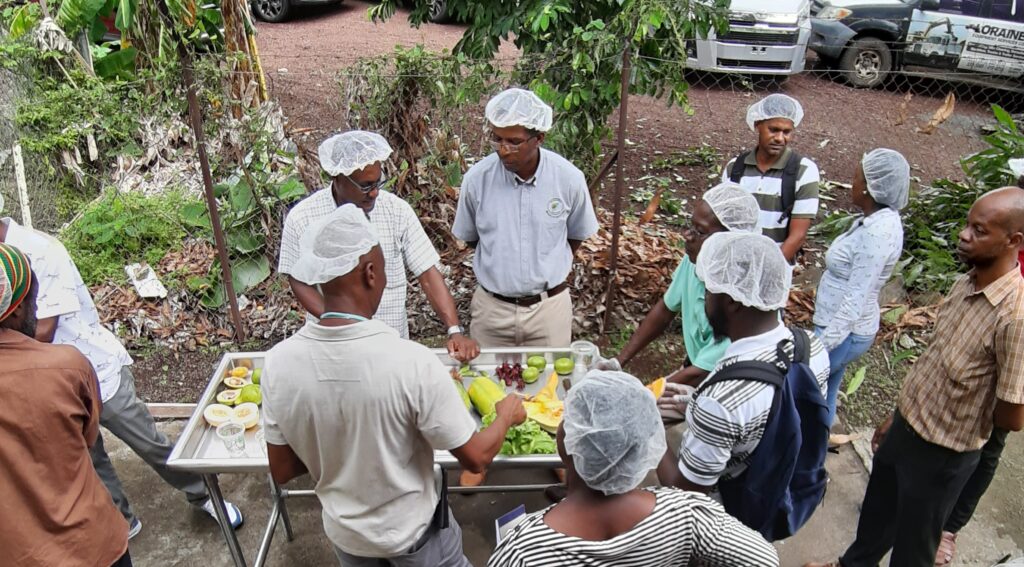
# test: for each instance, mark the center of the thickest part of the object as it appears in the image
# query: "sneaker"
(134, 528)
(234, 514)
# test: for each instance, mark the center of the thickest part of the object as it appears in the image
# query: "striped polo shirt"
(767, 189)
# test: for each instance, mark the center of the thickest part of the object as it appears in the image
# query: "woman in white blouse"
(859, 262)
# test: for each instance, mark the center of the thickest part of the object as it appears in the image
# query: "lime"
(250, 394)
(564, 366)
(530, 374)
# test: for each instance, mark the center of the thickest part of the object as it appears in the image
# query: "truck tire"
(273, 11)
(438, 11)
(866, 62)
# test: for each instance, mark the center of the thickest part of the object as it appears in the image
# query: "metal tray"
(198, 449)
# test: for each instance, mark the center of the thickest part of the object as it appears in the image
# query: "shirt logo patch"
(556, 208)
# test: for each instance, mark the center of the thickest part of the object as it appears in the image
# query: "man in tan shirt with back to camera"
(363, 410)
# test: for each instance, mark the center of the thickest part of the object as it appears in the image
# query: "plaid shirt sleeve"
(1010, 361)
(417, 250)
(290, 236)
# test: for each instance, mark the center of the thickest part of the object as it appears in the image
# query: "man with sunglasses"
(354, 161)
(525, 210)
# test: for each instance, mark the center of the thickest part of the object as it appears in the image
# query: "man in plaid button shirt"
(967, 387)
(353, 160)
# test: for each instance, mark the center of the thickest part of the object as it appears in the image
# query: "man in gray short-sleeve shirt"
(525, 210)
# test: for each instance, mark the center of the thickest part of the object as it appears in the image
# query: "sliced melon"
(228, 397)
(235, 382)
(248, 414)
(217, 414)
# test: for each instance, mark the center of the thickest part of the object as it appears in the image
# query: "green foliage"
(59, 116)
(855, 382)
(121, 228)
(22, 19)
(249, 205)
(572, 53)
(937, 213)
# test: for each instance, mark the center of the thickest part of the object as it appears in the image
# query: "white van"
(766, 38)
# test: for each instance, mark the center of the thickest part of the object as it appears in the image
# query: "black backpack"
(785, 479)
(790, 174)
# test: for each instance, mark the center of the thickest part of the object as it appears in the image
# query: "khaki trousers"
(496, 323)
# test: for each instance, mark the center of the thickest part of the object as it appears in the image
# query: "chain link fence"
(671, 155)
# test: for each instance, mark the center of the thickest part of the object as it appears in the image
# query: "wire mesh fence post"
(609, 299)
(196, 122)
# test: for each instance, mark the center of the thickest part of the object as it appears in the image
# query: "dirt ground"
(303, 56)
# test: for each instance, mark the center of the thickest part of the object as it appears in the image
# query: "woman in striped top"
(610, 438)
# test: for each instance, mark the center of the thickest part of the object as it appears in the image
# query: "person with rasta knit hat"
(67, 316)
(56, 509)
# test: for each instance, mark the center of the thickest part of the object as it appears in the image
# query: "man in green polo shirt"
(726, 207)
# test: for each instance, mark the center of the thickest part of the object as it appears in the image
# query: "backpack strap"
(790, 173)
(754, 370)
(801, 346)
(738, 166)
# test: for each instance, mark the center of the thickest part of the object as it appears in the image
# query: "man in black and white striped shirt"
(747, 281)
(784, 183)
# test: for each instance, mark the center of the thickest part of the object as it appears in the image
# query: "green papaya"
(485, 393)
(463, 394)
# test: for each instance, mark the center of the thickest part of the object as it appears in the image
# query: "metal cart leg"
(213, 487)
(268, 536)
(279, 497)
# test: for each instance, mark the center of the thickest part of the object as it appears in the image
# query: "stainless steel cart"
(199, 451)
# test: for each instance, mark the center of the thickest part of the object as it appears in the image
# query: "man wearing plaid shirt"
(353, 160)
(968, 384)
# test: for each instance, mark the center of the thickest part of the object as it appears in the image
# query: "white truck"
(764, 38)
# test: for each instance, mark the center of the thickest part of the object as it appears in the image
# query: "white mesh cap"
(331, 247)
(748, 267)
(1017, 167)
(613, 431)
(341, 154)
(775, 106)
(519, 107)
(736, 209)
(888, 176)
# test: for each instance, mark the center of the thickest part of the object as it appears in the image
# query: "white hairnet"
(518, 107)
(613, 431)
(344, 153)
(748, 267)
(1017, 167)
(332, 246)
(736, 209)
(888, 175)
(775, 106)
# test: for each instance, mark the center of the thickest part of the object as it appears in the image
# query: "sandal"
(947, 549)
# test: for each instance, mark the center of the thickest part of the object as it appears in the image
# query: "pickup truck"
(979, 41)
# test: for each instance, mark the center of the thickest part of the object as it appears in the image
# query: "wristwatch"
(455, 330)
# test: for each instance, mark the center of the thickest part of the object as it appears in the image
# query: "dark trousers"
(978, 483)
(124, 561)
(912, 489)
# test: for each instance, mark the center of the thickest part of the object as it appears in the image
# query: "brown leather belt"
(530, 299)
